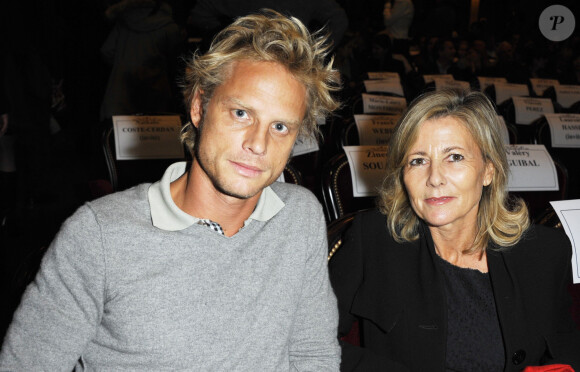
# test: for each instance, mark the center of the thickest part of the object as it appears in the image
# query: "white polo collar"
(166, 215)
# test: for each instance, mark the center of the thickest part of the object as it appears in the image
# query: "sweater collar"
(166, 215)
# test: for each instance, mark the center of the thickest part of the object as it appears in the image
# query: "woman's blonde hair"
(270, 37)
(501, 220)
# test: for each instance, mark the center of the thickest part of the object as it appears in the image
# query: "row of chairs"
(327, 173)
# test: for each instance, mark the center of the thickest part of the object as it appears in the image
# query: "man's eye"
(241, 114)
(281, 128)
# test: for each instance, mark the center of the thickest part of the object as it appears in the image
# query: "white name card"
(505, 91)
(505, 133)
(453, 84)
(375, 104)
(567, 95)
(384, 75)
(531, 168)
(386, 86)
(147, 137)
(569, 213)
(367, 168)
(529, 109)
(540, 85)
(431, 78)
(375, 130)
(485, 81)
(304, 145)
(565, 129)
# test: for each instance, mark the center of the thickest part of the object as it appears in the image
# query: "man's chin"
(239, 193)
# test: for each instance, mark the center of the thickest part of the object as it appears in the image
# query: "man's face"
(249, 127)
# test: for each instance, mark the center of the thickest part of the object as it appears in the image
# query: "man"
(215, 267)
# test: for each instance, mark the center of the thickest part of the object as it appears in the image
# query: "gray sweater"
(116, 293)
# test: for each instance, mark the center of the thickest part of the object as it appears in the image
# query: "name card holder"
(367, 168)
(375, 130)
(505, 91)
(453, 84)
(529, 109)
(429, 78)
(540, 85)
(564, 129)
(304, 145)
(384, 75)
(147, 137)
(384, 86)
(567, 95)
(568, 212)
(531, 168)
(376, 104)
(485, 81)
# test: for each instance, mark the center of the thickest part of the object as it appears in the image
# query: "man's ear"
(196, 109)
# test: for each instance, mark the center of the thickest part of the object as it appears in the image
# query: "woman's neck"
(452, 246)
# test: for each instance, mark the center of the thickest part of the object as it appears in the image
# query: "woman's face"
(445, 174)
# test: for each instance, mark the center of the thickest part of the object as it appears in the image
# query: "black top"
(396, 294)
(474, 341)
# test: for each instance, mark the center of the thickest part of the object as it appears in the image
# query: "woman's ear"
(489, 173)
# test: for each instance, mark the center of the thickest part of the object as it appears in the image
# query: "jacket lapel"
(510, 313)
(435, 302)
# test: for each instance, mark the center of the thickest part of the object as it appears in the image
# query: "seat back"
(539, 201)
(292, 175)
(335, 233)
(349, 135)
(127, 173)
(550, 218)
(337, 189)
(526, 133)
(567, 156)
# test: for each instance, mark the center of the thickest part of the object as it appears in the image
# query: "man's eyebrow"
(235, 101)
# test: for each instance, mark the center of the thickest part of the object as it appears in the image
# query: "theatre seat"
(127, 173)
(539, 201)
(336, 230)
(337, 190)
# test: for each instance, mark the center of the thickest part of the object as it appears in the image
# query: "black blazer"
(396, 293)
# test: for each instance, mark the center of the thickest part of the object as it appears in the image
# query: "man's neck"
(195, 194)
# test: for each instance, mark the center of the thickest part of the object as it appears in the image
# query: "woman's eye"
(456, 157)
(240, 114)
(417, 161)
(281, 128)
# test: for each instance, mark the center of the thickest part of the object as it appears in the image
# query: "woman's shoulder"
(540, 243)
(540, 235)
(371, 216)
(369, 231)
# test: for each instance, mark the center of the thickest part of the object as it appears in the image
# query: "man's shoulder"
(120, 199)
(292, 194)
(117, 206)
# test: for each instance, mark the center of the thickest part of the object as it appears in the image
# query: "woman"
(448, 274)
